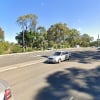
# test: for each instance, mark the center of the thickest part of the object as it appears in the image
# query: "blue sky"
(83, 15)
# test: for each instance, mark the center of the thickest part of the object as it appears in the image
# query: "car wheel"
(68, 58)
(59, 60)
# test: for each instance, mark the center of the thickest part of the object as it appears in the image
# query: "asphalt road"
(7, 60)
(77, 79)
(11, 59)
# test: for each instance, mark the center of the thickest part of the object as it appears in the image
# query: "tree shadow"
(85, 56)
(44, 56)
(72, 84)
(81, 56)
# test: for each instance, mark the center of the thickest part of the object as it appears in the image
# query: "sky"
(83, 15)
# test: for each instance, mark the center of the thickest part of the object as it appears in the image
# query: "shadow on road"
(82, 56)
(85, 56)
(72, 82)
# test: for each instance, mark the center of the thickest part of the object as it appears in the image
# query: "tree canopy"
(28, 21)
(57, 35)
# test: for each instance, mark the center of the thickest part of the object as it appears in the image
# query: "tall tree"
(42, 31)
(74, 37)
(30, 38)
(1, 34)
(58, 32)
(85, 40)
(42, 37)
(28, 23)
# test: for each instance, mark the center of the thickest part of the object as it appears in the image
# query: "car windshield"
(57, 53)
(66, 52)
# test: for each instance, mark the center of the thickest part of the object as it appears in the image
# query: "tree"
(19, 38)
(28, 23)
(1, 34)
(29, 37)
(58, 33)
(41, 37)
(94, 43)
(74, 37)
(42, 31)
(85, 40)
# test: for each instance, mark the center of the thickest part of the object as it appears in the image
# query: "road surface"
(77, 79)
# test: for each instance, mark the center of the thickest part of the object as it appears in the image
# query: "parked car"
(98, 48)
(5, 91)
(59, 56)
(50, 48)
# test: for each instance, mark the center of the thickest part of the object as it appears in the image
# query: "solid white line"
(15, 66)
(71, 98)
(37, 55)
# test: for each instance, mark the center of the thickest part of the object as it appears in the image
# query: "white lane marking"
(71, 98)
(15, 66)
(37, 55)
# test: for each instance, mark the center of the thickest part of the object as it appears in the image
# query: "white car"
(5, 91)
(59, 56)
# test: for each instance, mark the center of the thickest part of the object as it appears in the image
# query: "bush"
(55, 46)
(67, 46)
(59, 46)
(16, 49)
(29, 49)
(1, 51)
(4, 47)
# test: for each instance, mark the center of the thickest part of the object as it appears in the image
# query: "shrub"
(29, 49)
(16, 48)
(4, 47)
